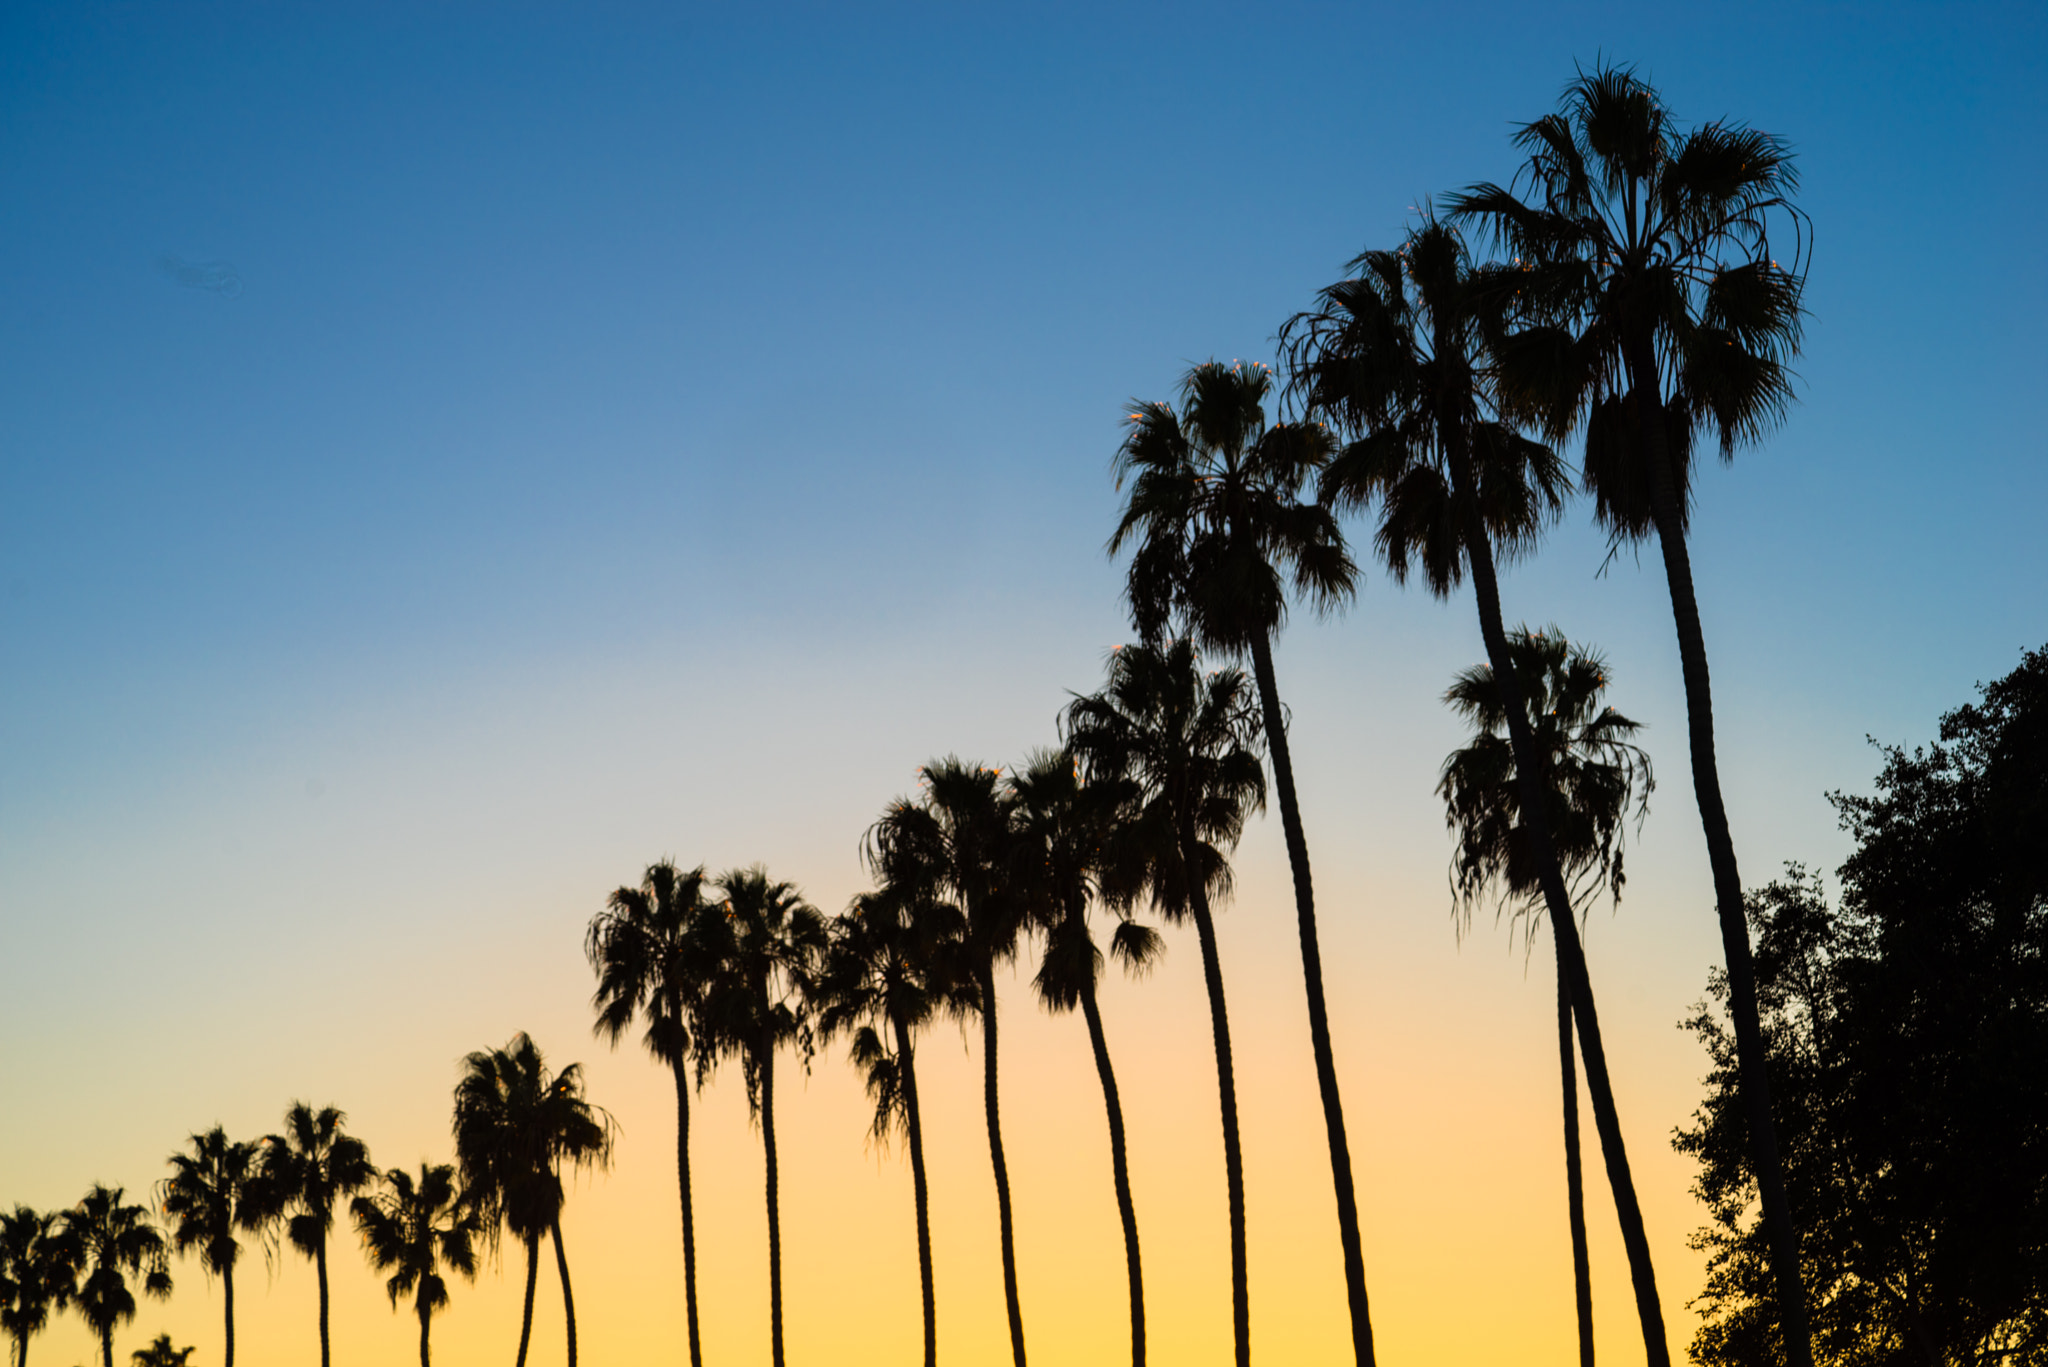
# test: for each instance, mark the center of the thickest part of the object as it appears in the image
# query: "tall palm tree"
(771, 943)
(214, 1191)
(1397, 356)
(1190, 744)
(955, 839)
(160, 1353)
(412, 1230)
(309, 1167)
(883, 979)
(515, 1125)
(1672, 322)
(39, 1257)
(116, 1242)
(1066, 836)
(647, 948)
(1593, 775)
(1219, 533)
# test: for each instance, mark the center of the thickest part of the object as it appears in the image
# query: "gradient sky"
(452, 455)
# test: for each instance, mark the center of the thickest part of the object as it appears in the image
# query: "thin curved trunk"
(1318, 1015)
(107, 1347)
(526, 1315)
(568, 1297)
(227, 1283)
(995, 1158)
(1120, 1169)
(424, 1314)
(320, 1272)
(689, 1211)
(774, 1209)
(1226, 1094)
(1557, 901)
(1574, 1180)
(915, 1123)
(1752, 1055)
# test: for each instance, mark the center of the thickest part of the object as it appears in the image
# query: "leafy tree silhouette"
(411, 1229)
(213, 1191)
(39, 1258)
(308, 1167)
(116, 1242)
(160, 1353)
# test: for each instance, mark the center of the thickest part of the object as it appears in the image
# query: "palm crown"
(39, 1257)
(116, 1241)
(652, 963)
(516, 1124)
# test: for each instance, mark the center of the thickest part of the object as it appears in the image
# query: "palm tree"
(160, 1353)
(647, 949)
(1219, 533)
(1672, 320)
(955, 840)
(882, 981)
(213, 1191)
(39, 1256)
(309, 1167)
(770, 944)
(515, 1126)
(1593, 774)
(411, 1230)
(1397, 355)
(115, 1242)
(1189, 743)
(1065, 853)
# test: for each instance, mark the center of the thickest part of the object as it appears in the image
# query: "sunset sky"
(452, 455)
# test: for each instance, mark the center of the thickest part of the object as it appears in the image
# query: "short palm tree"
(954, 840)
(1672, 322)
(39, 1257)
(309, 1167)
(883, 980)
(1189, 742)
(648, 950)
(1399, 356)
(414, 1229)
(516, 1125)
(1219, 534)
(160, 1353)
(1594, 776)
(769, 950)
(1065, 857)
(215, 1191)
(116, 1242)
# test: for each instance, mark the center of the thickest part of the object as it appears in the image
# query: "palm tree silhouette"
(309, 1167)
(39, 1257)
(213, 1191)
(515, 1126)
(160, 1353)
(1219, 534)
(411, 1230)
(648, 950)
(882, 981)
(955, 840)
(1189, 743)
(1672, 319)
(769, 942)
(1593, 774)
(1398, 356)
(1066, 833)
(115, 1242)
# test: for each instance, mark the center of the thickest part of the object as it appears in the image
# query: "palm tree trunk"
(227, 1283)
(526, 1315)
(1752, 1055)
(1557, 901)
(1120, 1169)
(107, 1347)
(689, 1211)
(568, 1297)
(774, 1208)
(1226, 1093)
(320, 1270)
(995, 1156)
(915, 1123)
(424, 1313)
(1318, 1015)
(1574, 1180)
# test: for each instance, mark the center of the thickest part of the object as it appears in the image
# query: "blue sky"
(578, 435)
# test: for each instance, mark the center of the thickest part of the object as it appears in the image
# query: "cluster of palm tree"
(1635, 309)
